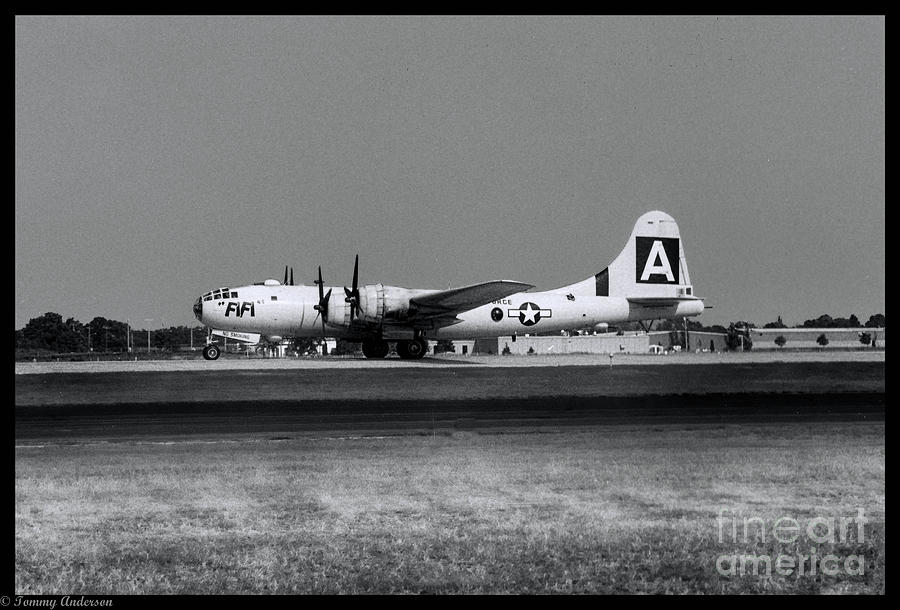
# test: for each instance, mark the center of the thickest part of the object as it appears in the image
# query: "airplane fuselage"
(289, 311)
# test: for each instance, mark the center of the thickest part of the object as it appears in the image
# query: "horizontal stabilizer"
(660, 301)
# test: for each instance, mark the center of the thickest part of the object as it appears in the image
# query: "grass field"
(611, 509)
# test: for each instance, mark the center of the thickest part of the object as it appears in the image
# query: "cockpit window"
(207, 298)
(234, 295)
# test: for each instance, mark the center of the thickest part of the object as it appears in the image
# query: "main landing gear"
(412, 350)
(211, 352)
(375, 348)
(408, 349)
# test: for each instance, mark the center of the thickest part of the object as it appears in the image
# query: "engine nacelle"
(377, 303)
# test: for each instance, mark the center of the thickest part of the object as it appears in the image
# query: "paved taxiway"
(277, 403)
(287, 419)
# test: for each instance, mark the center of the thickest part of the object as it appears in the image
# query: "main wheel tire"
(375, 348)
(418, 348)
(211, 352)
(412, 350)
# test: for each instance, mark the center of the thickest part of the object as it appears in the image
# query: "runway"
(286, 419)
(121, 406)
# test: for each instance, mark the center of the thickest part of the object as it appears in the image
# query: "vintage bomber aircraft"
(648, 280)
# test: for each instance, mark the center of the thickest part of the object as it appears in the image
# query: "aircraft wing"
(448, 303)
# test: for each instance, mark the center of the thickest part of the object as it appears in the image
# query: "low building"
(462, 347)
(698, 340)
(604, 343)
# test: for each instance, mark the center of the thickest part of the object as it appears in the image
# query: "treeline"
(826, 321)
(51, 333)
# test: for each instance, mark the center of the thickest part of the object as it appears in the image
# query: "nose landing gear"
(211, 352)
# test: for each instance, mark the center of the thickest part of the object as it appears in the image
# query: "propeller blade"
(353, 294)
(285, 275)
(292, 276)
(324, 309)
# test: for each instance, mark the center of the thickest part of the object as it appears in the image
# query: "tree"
(826, 321)
(737, 336)
(443, 346)
(822, 340)
(305, 345)
(876, 321)
(780, 340)
(506, 350)
(676, 337)
(49, 332)
(865, 338)
(823, 321)
(777, 324)
(347, 348)
(851, 322)
(110, 335)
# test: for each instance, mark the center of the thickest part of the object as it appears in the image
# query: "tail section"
(651, 266)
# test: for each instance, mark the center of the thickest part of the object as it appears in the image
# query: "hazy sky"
(160, 157)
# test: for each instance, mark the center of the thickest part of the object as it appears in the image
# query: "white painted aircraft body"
(648, 280)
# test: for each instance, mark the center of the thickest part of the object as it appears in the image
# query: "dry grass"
(617, 509)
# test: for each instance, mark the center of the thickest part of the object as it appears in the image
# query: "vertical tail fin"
(652, 265)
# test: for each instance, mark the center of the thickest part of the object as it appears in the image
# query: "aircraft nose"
(198, 309)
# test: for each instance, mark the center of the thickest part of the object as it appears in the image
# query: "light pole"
(89, 336)
(148, 333)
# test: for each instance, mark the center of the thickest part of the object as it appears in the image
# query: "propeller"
(353, 295)
(321, 307)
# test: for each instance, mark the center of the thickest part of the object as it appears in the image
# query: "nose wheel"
(211, 352)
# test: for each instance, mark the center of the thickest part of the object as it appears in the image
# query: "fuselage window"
(274, 298)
